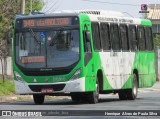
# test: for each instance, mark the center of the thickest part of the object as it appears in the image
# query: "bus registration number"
(47, 90)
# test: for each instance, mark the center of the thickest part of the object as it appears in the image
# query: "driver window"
(63, 40)
(87, 44)
(22, 49)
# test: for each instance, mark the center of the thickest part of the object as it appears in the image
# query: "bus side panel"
(146, 69)
(144, 63)
(117, 69)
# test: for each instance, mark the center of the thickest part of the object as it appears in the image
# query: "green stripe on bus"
(146, 22)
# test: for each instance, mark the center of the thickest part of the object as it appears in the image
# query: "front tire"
(38, 99)
(76, 97)
(132, 93)
(93, 97)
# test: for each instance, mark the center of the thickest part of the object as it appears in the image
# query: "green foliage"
(36, 5)
(7, 88)
(9, 8)
(157, 40)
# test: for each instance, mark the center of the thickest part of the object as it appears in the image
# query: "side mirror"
(87, 35)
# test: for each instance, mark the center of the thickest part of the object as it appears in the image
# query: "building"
(154, 16)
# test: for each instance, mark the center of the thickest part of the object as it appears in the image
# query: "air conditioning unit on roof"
(94, 12)
(101, 12)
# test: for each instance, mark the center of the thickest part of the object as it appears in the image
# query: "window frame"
(129, 38)
(126, 25)
(140, 26)
(109, 40)
(151, 39)
(99, 38)
(116, 24)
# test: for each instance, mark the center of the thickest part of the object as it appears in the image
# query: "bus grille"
(38, 88)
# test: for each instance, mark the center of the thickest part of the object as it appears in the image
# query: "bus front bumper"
(77, 85)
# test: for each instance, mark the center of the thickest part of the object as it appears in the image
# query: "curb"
(147, 90)
(14, 98)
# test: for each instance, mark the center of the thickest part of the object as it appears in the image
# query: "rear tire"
(122, 95)
(93, 97)
(38, 98)
(132, 93)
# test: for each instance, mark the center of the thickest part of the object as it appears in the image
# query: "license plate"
(47, 90)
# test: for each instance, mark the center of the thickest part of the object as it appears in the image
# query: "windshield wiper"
(35, 36)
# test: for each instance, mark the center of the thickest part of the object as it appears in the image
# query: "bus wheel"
(76, 97)
(38, 98)
(93, 97)
(132, 93)
(122, 95)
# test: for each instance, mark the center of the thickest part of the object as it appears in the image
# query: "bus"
(82, 54)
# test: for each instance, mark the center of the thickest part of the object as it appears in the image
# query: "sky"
(131, 9)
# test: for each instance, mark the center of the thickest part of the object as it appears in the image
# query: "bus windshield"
(47, 48)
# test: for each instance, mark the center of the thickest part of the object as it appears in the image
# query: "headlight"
(76, 75)
(18, 76)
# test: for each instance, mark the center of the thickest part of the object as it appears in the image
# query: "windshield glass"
(47, 49)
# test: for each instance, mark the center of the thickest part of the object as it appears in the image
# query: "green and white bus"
(82, 54)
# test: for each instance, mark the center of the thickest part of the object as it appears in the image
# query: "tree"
(8, 10)
(157, 40)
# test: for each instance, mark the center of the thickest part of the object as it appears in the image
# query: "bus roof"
(45, 15)
(113, 17)
(95, 16)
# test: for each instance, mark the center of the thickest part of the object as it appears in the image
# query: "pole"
(22, 6)
(30, 7)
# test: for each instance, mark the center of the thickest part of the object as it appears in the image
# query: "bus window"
(148, 36)
(22, 42)
(124, 37)
(114, 32)
(96, 36)
(63, 40)
(87, 43)
(141, 38)
(104, 32)
(132, 38)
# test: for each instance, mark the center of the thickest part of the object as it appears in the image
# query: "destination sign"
(33, 59)
(46, 22)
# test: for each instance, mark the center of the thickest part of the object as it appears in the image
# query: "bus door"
(88, 57)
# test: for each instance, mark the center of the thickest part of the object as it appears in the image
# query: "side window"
(141, 38)
(124, 37)
(114, 35)
(87, 43)
(132, 38)
(96, 36)
(148, 36)
(104, 32)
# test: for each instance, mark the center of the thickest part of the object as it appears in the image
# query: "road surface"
(146, 100)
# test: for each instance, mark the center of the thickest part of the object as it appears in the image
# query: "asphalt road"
(149, 100)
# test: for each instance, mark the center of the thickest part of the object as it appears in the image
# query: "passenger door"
(88, 58)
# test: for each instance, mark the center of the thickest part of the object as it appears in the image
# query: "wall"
(7, 66)
(158, 63)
